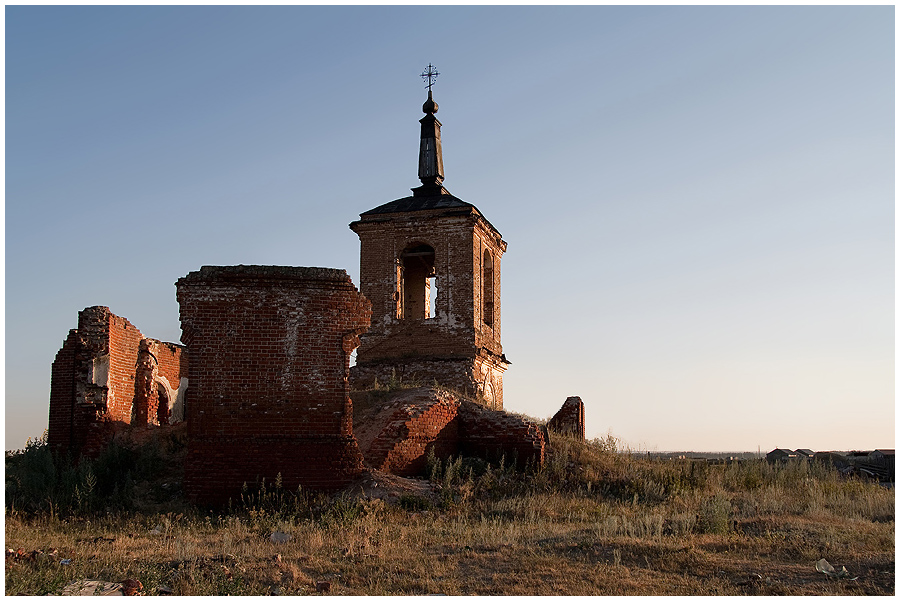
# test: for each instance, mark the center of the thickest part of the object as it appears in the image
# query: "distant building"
(885, 459)
(804, 453)
(780, 455)
(836, 459)
(882, 455)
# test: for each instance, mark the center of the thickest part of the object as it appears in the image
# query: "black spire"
(431, 163)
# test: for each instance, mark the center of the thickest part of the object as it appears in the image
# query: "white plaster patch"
(176, 398)
(100, 370)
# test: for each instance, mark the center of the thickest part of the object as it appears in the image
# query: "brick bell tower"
(430, 265)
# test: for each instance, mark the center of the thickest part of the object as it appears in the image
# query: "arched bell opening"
(416, 281)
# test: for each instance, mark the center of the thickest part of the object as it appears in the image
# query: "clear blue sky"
(698, 201)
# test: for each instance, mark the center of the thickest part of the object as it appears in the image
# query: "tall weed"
(38, 481)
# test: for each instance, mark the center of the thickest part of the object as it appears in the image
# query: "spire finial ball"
(430, 107)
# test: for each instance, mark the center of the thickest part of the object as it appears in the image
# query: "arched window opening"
(416, 273)
(162, 407)
(487, 289)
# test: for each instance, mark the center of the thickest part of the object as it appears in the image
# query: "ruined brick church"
(263, 376)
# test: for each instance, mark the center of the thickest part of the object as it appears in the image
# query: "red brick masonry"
(398, 437)
(107, 376)
(458, 345)
(270, 348)
(570, 418)
(491, 434)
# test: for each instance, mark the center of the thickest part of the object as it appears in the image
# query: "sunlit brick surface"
(105, 377)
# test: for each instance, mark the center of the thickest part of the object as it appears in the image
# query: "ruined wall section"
(172, 378)
(398, 437)
(491, 434)
(161, 383)
(97, 382)
(396, 431)
(123, 347)
(270, 348)
(569, 419)
(62, 396)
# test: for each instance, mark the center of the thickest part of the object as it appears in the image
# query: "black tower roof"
(420, 203)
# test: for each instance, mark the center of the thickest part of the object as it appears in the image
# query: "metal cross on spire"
(430, 74)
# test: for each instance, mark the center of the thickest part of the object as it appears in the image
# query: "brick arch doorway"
(170, 409)
(163, 403)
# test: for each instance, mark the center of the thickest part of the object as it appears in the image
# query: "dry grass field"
(593, 521)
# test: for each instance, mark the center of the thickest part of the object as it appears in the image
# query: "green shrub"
(36, 480)
(715, 515)
(414, 503)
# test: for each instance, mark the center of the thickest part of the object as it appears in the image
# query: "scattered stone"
(131, 587)
(752, 579)
(280, 537)
(323, 586)
(826, 568)
(90, 588)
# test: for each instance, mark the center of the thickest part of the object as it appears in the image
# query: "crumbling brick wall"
(102, 381)
(64, 416)
(398, 438)
(270, 349)
(161, 383)
(491, 434)
(397, 431)
(570, 418)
